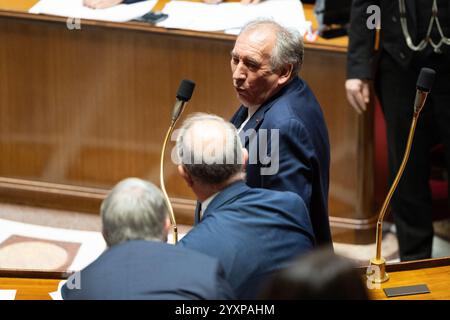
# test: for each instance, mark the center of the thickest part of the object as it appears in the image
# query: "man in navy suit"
(252, 231)
(281, 118)
(138, 263)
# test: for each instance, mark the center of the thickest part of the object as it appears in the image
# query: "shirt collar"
(206, 203)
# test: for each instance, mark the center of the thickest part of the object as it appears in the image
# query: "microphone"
(424, 84)
(376, 271)
(184, 94)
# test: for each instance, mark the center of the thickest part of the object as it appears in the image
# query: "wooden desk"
(82, 109)
(435, 273)
(30, 289)
(31, 285)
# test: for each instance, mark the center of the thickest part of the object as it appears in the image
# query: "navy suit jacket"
(253, 232)
(153, 270)
(304, 151)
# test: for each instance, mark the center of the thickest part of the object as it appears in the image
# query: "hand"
(101, 4)
(358, 94)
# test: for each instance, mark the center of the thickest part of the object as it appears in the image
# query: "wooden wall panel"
(87, 108)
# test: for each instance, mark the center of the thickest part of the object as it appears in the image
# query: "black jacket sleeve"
(361, 41)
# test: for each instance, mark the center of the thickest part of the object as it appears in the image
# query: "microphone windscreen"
(426, 79)
(185, 90)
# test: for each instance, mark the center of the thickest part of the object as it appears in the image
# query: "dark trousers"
(411, 203)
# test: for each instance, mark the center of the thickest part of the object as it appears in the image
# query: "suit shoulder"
(287, 197)
(193, 256)
(295, 107)
(286, 122)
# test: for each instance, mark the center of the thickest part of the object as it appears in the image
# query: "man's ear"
(166, 229)
(167, 225)
(285, 74)
(244, 159)
(185, 175)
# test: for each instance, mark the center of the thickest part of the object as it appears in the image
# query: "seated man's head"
(134, 210)
(265, 57)
(210, 154)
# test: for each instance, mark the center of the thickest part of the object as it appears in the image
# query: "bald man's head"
(209, 149)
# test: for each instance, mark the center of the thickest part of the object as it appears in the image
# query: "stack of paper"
(75, 9)
(92, 243)
(7, 294)
(228, 17)
(231, 17)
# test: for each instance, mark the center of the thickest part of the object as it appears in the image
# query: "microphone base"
(378, 272)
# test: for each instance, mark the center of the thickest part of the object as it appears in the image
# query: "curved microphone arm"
(184, 94)
(381, 275)
(394, 184)
(424, 84)
(163, 187)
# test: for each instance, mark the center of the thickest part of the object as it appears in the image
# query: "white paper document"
(75, 9)
(231, 17)
(92, 243)
(8, 294)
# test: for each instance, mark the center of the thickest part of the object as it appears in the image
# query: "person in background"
(253, 232)
(138, 264)
(319, 275)
(392, 67)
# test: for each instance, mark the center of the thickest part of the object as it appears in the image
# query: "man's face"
(253, 78)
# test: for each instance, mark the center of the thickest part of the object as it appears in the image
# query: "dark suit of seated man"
(138, 264)
(253, 232)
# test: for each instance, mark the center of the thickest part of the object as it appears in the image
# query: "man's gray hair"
(209, 148)
(134, 210)
(288, 47)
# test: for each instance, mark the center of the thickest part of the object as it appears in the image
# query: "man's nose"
(239, 72)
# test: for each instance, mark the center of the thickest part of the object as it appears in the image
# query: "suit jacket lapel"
(258, 117)
(253, 124)
(239, 117)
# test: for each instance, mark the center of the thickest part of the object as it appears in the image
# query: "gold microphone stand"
(380, 275)
(163, 187)
(183, 96)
